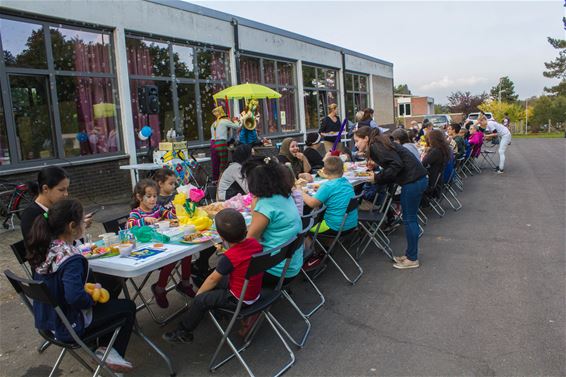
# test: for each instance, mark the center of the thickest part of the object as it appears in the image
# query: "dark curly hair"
(267, 177)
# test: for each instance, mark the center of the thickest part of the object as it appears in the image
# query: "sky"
(437, 47)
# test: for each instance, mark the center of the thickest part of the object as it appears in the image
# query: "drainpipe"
(236, 49)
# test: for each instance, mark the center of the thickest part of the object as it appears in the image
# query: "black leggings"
(108, 313)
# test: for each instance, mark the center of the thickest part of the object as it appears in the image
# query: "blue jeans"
(248, 136)
(411, 195)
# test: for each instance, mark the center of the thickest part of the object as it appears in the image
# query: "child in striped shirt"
(146, 211)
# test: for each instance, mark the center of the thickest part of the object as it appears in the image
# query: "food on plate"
(158, 245)
(364, 174)
(213, 208)
(192, 237)
(322, 174)
(301, 182)
(173, 223)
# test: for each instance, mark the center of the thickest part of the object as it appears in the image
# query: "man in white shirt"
(505, 138)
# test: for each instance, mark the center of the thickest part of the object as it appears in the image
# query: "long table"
(130, 268)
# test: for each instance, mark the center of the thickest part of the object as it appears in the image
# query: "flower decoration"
(195, 196)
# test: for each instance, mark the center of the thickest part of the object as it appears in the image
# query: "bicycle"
(14, 199)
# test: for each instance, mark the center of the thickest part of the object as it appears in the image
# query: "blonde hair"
(359, 116)
(334, 166)
(332, 107)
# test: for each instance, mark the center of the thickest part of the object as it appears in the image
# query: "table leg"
(138, 331)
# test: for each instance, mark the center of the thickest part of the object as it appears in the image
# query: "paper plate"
(198, 240)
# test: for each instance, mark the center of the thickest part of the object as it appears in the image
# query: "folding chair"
(308, 252)
(19, 250)
(434, 197)
(487, 157)
(115, 225)
(259, 263)
(337, 240)
(32, 290)
(371, 222)
(290, 251)
(447, 192)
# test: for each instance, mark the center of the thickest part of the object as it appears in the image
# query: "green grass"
(540, 135)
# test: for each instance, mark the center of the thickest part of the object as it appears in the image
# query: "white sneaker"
(115, 361)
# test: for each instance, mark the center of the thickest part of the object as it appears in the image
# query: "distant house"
(407, 105)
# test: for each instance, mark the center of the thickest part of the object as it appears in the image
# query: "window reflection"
(23, 44)
(32, 116)
(212, 65)
(148, 58)
(357, 96)
(89, 122)
(83, 51)
(320, 91)
(184, 58)
(188, 111)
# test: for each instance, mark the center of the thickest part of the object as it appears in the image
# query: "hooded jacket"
(66, 286)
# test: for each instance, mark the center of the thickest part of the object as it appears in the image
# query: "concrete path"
(489, 298)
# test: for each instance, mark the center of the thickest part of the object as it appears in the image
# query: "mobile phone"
(90, 214)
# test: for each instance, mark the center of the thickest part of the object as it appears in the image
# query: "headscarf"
(296, 164)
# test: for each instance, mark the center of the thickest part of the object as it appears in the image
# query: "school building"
(74, 75)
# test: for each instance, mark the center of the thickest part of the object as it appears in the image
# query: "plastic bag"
(147, 234)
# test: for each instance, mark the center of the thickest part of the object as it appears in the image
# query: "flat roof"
(193, 8)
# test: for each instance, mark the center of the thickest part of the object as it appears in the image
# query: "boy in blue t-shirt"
(336, 195)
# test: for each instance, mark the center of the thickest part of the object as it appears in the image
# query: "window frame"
(404, 105)
(175, 81)
(324, 89)
(353, 91)
(51, 74)
(275, 86)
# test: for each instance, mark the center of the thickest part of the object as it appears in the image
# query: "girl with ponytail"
(60, 265)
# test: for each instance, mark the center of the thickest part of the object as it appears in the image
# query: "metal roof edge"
(198, 9)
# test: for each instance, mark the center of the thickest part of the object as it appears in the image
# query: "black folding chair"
(115, 225)
(259, 263)
(316, 216)
(290, 251)
(371, 222)
(32, 290)
(434, 197)
(19, 249)
(337, 238)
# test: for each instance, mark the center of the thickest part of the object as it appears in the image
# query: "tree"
(441, 109)
(504, 90)
(465, 102)
(549, 108)
(556, 69)
(515, 111)
(401, 89)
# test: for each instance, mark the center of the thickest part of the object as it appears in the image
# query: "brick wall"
(95, 181)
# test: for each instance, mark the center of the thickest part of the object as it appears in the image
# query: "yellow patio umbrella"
(248, 91)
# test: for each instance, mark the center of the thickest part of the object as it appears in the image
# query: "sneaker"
(499, 171)
(496, 169)
(178, 336)
(313, 262)
(160, 295)
(185, 288)
(405, 264)
(115, 361)
(399, 259)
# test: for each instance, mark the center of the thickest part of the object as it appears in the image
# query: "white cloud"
(448, 83)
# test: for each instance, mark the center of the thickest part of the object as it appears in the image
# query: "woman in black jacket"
(401, 167)
(435, 160)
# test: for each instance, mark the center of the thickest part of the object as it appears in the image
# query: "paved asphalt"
(488, 299)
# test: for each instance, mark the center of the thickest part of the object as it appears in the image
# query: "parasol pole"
(227, 107)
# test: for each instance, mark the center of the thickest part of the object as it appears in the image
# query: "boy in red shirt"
(223, 287)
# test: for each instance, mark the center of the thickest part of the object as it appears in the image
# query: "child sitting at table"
(335, 194)
(222, 289)
(147, 211)
(61, 266)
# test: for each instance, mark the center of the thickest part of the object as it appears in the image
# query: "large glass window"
(277, 116)
(320, 90)
(357, 94)
(185, 98)
(62, 94)
(4, 148)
